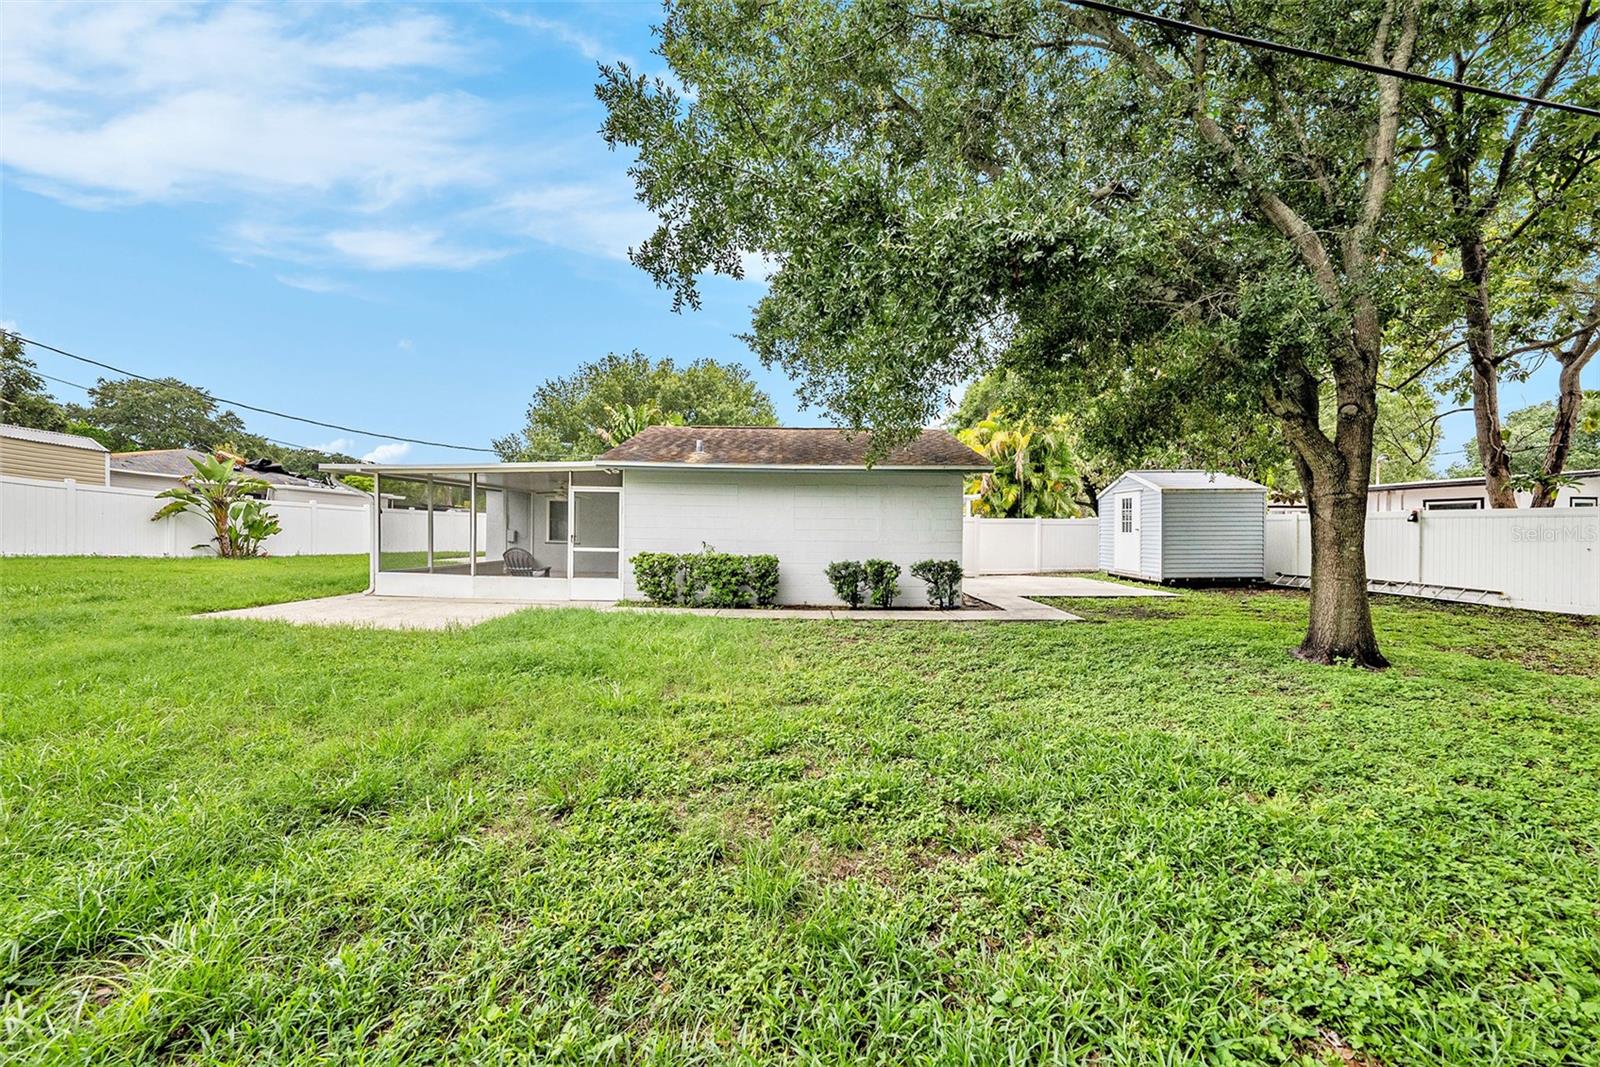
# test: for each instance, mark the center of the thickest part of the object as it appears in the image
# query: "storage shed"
(1166, 526)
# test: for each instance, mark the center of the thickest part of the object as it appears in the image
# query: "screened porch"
(516, 531)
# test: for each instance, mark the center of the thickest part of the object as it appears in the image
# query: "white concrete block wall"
(807, 520)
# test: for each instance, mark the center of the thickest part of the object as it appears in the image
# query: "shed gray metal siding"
(1213, 533)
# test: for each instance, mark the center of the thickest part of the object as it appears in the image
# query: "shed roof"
(774, 446)
(175, 463)
(1173, 479)
(51, 437)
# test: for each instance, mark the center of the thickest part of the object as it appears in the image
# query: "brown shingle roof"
(771, 446)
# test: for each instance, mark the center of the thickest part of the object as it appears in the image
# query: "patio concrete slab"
(1066, 585)
(1008, 593)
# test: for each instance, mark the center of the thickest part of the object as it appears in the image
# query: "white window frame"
(1125, 514)
(1453, 503)
(549, 523)
(1583, 502)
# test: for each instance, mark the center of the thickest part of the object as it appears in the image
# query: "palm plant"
(626, 420)
(219, 492)
(1036, 469)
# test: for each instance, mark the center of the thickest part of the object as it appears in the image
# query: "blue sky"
(397, 218)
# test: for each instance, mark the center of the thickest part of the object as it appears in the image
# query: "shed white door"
(1125, 540)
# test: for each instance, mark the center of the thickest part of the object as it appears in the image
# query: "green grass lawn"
(562, 836)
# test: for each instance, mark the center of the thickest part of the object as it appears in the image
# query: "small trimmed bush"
(707, 578)
(883, 581)
(660, 576)
(849, 580)
(761, 576)
(718, 579)
(943, 577)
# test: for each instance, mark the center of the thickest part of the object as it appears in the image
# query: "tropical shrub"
(883, 583)
(224, 496)
(849, 580)
(761, 575)
(1037, 472)
(943, 577)
(251, 524)
(660, 576)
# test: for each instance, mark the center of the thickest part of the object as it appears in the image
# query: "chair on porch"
(520, 563)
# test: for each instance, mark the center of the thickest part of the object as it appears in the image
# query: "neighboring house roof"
(1159, 480)
(51, 437)
(175, 463)
(773, 446)
(1442, 483)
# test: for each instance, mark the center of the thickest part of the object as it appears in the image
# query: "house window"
(555, 528)
(1126, 505)
(1583, 501)
(1458, 504)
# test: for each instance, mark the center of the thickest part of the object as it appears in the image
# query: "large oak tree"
(944, 185)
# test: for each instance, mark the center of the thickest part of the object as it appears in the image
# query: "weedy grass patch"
(566, 836)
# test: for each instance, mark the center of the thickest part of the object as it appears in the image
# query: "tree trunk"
(1334, 475)
(1569, 403)
(1485, 375)
(1340, 629)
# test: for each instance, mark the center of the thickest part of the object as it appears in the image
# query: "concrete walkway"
(1008, 593)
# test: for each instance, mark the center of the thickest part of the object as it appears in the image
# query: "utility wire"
(250, 407)
(1327, 57)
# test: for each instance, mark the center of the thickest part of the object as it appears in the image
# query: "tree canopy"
(569, 416)
(166, 413)
(24, 400)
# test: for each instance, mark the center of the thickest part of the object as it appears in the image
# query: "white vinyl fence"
(1027, 546)
(1542, 560)
(39, 518)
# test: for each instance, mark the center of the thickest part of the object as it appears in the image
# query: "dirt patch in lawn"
(1115, 609)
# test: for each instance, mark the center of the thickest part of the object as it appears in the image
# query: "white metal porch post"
(472, 524)
(430, 524)
(377, 527)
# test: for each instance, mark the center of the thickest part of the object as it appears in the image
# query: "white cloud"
(582, 216)
(390, 453)
(338, 444)
(586, 45)
(312, 283)
(385, 249)
(333, 136)
(405, 344)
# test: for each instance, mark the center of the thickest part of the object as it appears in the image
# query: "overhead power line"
(1328, 57)
(252, 407)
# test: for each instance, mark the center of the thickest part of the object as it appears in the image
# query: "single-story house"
(1469, 494)
(1183, 525)
(48, 455)
(161, 468)
(807, 496)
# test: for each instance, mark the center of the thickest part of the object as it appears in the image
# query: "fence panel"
(1024, 546)
(1541, 560)
(40, 518)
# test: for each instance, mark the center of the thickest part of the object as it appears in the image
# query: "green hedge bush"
(943, 577)
(707, 578)
(883, 581)
(849, 580)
